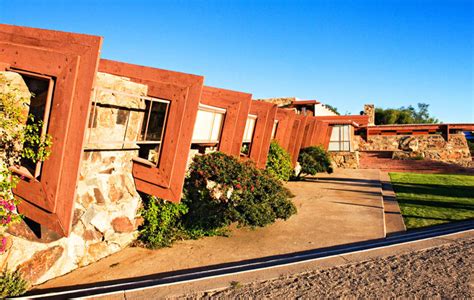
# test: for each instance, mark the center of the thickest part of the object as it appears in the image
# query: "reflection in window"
(41, 88)
(248, 134)
(340, 138)
(152, 130)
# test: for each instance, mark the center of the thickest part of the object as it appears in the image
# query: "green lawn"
(430, 199)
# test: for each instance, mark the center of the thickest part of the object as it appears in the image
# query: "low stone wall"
(345, 160)
(105, 211)
(432, 147)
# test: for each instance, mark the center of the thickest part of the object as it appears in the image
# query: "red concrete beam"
(266, 114)
(237, 106)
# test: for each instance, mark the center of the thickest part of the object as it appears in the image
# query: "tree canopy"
(404, 115)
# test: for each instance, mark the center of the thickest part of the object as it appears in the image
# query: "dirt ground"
(439, 272)
(341, 208)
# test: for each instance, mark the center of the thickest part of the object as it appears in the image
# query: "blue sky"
(344, 53)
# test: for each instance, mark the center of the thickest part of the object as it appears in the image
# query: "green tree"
(313, 160)
(279, 162)
(404, 115)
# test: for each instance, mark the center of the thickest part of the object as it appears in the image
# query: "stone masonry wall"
(345, 160)
(432, 147)
(105, 211)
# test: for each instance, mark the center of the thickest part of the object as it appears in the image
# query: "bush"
(313, 160)
(221, 190)
(162, 222)
(12, 284)
(279, 162)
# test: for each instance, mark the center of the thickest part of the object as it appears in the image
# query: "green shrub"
(279, 162)
(313, 160)
(12, 284)
(221, 190)
(470, 144)
(162, 222)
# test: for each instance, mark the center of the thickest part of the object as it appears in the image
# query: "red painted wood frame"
(237, 106)
(262, 135)
(285, 118)
(297, 135)
(183, 91)
(361, 120)
(71, 59)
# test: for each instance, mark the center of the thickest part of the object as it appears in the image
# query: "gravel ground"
(439, 272)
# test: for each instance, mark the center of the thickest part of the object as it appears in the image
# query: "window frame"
(72, 60)
(237, 106)
(165, 180)
(341, 140)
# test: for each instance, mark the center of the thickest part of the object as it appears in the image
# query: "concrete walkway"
(340, 208)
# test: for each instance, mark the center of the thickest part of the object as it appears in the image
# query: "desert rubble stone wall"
(105, 211)
(345, 160)
(427, 146)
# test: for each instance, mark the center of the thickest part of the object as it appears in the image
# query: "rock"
(101, 221)
(40, 263)
(92, 235)
(122, 225)
(99, 197)
(22, 230)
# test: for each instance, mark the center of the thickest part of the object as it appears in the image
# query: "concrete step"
(393, 217)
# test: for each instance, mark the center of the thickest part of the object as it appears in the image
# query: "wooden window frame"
(266, 114)
(166, 179)
(72, 60)
(237, 106)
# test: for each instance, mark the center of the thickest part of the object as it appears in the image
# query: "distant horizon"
(342, 53)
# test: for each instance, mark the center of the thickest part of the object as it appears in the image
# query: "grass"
(431, 199)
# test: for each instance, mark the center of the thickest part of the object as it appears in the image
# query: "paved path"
(340, 208)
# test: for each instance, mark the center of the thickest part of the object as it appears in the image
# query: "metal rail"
(152, 281)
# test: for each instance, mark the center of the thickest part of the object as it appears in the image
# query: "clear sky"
(344, 53)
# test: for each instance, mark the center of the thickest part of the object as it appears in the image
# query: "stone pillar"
(369, 110)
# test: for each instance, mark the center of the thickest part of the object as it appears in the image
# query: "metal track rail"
(153, 281)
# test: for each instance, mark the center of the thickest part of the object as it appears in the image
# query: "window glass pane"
(203, 126)
(156, 121)
(249, 128)
(274, 129)
(346, 132)
(216, 129)
(336, 133)
(333, 146)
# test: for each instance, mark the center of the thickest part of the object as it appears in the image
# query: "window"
(248, 134)
(340, 138)
(208, 125)
(274, 129)
(147, 138)
(41, 88)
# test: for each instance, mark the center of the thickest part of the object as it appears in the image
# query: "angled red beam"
(237, 106)
(297, 137)
(361, 120)
(285, 118)
(166, 179)
(266, 113)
